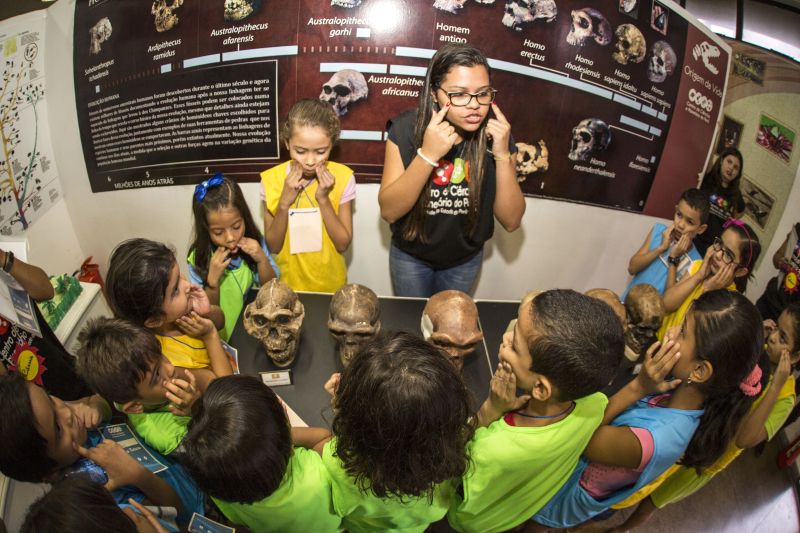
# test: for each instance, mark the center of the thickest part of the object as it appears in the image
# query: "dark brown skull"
(353, 320)
(645, 310)
(450, 322)
(274, 318)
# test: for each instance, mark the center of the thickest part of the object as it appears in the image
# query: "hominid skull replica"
(590, 136)
(274, 318)
(98, 34)
(353, 320)
(645, 310)
(531, 158)
(612, 299)
(528, 298)
(630, 46)
(236, 10)
(662, 62)
(588, 23)
(166, 18)
(450, 322)
(344, 88)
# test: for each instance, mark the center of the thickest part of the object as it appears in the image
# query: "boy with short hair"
(239, 450)
(667, 253)
(123, 363)
(45, 439)
(565, 347)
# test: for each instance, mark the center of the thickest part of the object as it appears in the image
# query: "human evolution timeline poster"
(613, 103)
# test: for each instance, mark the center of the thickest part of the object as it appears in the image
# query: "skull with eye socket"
(450, 322)
(590, 136)
(353, 320)
(645, 311)
(531, 158)
(662, 62)
(631, 46)
(275, 318)
(343, 89)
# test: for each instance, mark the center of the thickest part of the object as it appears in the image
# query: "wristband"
(422, 156)
(501, 157)
(8, 264)
(674, 261)
(207, 285)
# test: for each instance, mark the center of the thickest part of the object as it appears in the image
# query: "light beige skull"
(645, 310)
(353, 320)
(98, 34)
(450, 322)
(531, 158)
(588, 23)
(237, 10)
(274, 318)
(165, 16)
(345, 87)
(612, 299)
(630, 46)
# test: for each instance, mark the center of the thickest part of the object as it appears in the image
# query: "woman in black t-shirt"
(721, 184)
(449, 172)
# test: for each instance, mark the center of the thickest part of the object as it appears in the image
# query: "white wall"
(559, 245)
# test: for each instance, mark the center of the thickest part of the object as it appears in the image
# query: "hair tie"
(751, 384)
(201, 189)
(739, 224)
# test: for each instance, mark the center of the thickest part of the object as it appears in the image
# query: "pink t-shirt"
(601, 481)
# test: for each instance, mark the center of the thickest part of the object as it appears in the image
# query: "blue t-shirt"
(655, 273)
(191, 496)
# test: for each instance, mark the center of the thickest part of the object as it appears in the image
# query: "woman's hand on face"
(325, 182)
(440, 135)
(292, 185)
(499, 131)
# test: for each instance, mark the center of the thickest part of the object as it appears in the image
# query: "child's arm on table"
(32, 278)
(276, 224)
(753, 432)
(617, 445)
(339, 227)
(502, 396)
(644, 255)
(122, 469)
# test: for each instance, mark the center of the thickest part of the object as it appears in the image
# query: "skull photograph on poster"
(165, 15)
(589, 25)
(661, 62)
(344, 89)
(631, 46)
(591, 136)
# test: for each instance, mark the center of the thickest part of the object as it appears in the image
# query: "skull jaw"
(281, 355)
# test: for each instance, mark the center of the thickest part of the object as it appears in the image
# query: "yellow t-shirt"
(184, 351)
(322, 271)
(676, 317)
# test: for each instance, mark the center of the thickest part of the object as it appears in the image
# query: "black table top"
(317, 358)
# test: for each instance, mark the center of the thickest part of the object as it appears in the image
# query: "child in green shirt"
(239, 451)
(563, 349)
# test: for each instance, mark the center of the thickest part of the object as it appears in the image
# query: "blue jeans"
(412, 277)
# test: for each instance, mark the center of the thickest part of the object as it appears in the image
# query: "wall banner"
(613, 105)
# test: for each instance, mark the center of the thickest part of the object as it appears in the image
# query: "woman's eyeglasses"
(728, 256)
(461, 99)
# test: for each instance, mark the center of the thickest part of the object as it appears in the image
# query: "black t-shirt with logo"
(720, 209)
(42, 360)
(447, 243)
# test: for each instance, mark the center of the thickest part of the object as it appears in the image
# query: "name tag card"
(305, 230)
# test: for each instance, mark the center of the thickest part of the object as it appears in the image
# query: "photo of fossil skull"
(98, 34)
(589, 24)
(275, 318)
(346, 3)
(518, 12)
(450, 322)
(343, 89)
(630, 46)
(236, 10)
(590, 136)
(354, 320)
(661, 62)
(451, 6)
(531, 158)
(165, 16)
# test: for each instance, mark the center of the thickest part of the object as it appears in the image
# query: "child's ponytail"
(729, 335)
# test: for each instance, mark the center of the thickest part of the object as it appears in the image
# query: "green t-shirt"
(160, 429)
(367, 513)
(516, 470)
(302, 502)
